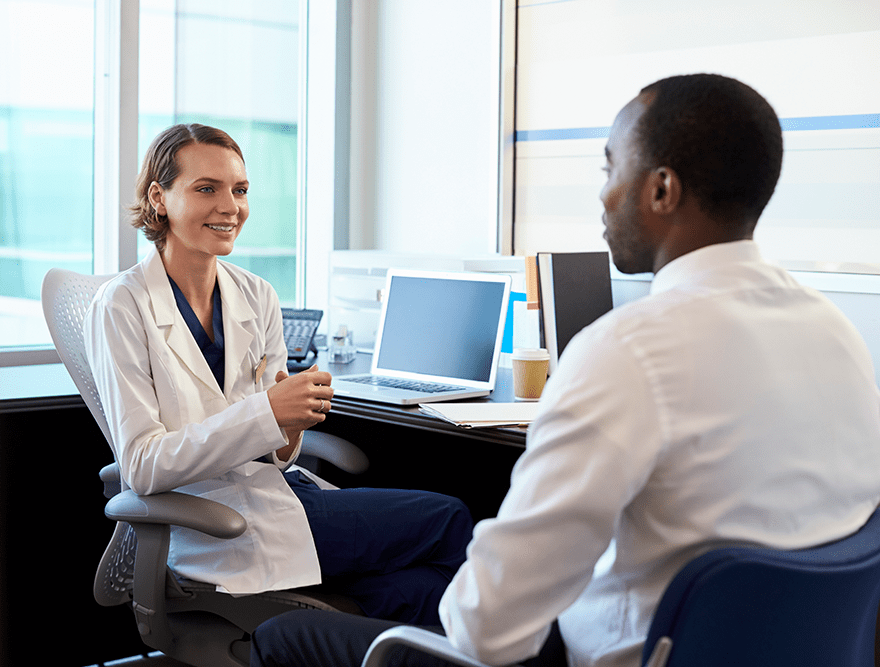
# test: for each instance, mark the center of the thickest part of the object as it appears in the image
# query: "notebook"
(439, 339)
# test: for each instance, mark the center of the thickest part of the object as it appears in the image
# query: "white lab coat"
(173, 427)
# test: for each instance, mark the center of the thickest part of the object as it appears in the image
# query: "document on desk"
(483, 415)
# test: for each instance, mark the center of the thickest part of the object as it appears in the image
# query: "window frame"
(507, 129)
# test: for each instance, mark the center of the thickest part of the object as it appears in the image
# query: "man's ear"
(665, 188)
(155, 195)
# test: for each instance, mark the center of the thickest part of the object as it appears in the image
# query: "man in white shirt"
(730, 406)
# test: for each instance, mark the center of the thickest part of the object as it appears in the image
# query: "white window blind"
(816, 61)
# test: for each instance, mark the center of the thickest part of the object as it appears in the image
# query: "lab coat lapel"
(168, 318)
(237, 316)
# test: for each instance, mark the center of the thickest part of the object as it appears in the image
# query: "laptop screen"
(442, 326)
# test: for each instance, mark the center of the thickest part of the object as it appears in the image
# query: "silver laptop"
(439, 339)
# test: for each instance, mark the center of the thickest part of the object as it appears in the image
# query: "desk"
(412, 417)
(50, 446)
(43, 421)
(48, 387)
(408, 449)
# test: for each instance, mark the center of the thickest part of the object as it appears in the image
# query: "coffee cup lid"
(530, 353)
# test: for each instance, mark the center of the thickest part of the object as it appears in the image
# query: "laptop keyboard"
(397, 383)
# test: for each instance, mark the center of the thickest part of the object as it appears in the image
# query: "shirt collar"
(683, 269)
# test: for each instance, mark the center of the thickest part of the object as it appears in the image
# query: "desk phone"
(299, 327)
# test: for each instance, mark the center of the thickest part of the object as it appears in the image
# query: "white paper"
(483, 415)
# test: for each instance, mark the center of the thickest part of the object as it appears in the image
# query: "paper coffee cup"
(529, 372)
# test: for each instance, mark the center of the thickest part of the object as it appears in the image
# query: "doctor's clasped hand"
(299, 402)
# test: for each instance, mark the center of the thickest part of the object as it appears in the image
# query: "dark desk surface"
(413, 417)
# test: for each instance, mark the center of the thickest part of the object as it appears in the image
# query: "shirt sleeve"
(588, 453)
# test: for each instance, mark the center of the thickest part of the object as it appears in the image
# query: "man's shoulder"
(634, 315)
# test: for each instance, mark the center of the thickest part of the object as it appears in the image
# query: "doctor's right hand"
(302, 400)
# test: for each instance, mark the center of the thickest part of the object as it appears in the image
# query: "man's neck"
(693, 229)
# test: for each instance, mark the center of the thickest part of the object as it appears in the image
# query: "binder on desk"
(574, 290)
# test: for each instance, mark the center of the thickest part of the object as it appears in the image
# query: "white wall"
(425, 119)
(580, 61)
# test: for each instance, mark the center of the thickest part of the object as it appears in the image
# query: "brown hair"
(160, 165)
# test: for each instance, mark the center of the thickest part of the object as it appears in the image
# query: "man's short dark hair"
(720, 136)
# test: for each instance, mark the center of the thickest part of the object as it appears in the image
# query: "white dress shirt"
(731, 405)
(174, 428)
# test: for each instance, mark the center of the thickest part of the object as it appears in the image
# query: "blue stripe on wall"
(572, 133)
(848, 122)
(860, 121)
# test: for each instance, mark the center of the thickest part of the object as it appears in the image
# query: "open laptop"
(439, 339)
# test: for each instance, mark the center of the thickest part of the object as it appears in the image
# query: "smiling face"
(206, 205)
(626, 230)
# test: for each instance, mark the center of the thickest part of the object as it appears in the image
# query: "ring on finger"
(321, 409)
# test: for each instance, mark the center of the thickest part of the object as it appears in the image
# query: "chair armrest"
(112, 481)
(177, 509)
(333, 449)
(416, 638)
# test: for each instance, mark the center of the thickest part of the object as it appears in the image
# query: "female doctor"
(190, 364)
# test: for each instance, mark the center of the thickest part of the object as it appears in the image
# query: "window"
(229, 64)
(46, 154)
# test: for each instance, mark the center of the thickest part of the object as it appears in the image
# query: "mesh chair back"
(66, 297)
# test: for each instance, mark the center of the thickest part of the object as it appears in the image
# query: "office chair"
(751, 606)
(187, 620)
(741, 606)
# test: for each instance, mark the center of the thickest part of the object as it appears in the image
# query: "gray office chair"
(187, 620)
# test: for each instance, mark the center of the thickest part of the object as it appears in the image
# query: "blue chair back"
(749, 606)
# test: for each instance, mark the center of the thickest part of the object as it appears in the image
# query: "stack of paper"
(483, 415)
